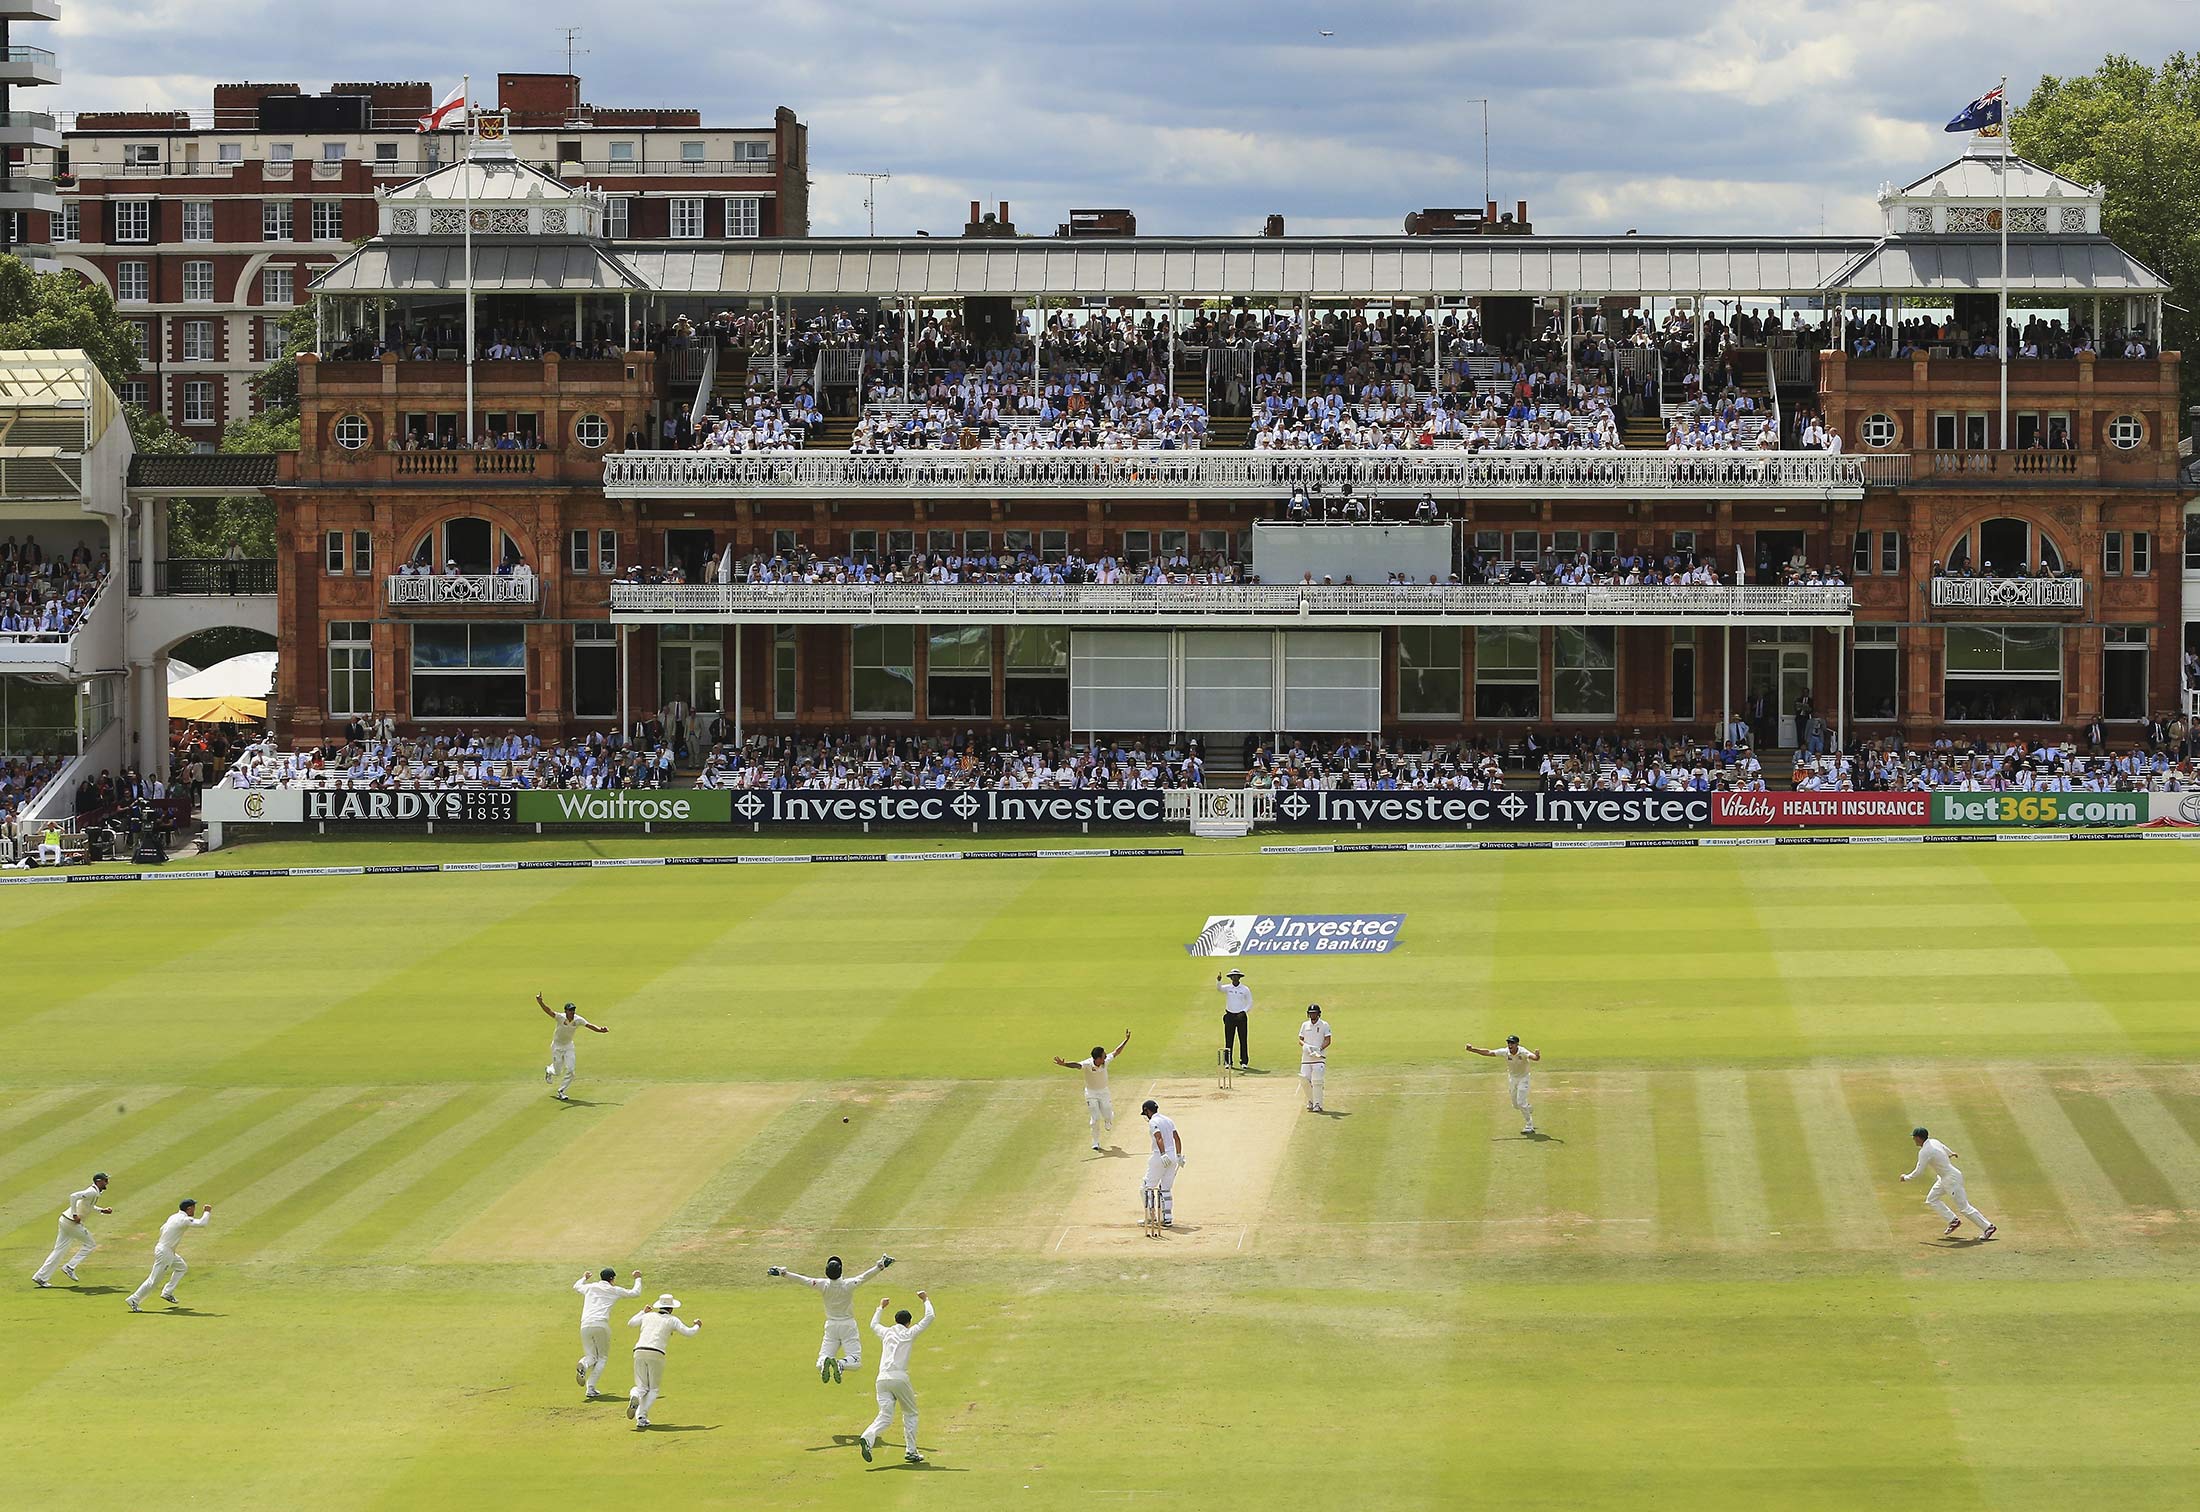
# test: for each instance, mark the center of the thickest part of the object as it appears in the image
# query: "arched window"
(473, 546)
(2006, 547)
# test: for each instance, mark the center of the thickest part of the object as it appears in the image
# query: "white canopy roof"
(251, 675)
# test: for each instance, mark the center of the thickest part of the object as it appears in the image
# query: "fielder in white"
(168, 1266)
(1164, 1162)
(842, 1348)
(563, 1026)
(1947, 1193)
(894, 1340)
(1315, 1037)
(1516, 1061)
(1099, 1105)
(73, 1232)
(596, 1298)
(658, 1325)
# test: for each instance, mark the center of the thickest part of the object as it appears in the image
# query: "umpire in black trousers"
(1237, 1004)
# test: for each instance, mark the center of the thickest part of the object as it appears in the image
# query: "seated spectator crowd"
(997, 760)
(43, 597)
(373, 757)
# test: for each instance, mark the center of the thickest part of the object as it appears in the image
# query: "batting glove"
(774, 1271)
(884, 1261)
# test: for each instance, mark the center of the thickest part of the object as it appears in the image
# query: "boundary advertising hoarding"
(1995, 810)
(1827, 810)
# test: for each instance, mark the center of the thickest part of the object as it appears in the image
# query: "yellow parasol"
(218, 710)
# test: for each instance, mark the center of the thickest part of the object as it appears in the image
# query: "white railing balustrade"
(463, 589)
(1132, 603)
(994, 474)
(2008, 593)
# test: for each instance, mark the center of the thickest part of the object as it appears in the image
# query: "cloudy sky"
(1767, 116)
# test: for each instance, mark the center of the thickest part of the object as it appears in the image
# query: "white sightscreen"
(1119, 681)
(1332, 680)
(1229, 680)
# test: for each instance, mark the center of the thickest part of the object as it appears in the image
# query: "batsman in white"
(658, 1325)
(168, 1266)
(1099, 1105)
(842, 1348)
(1947, 1193)
(1516, 1062)
(1315, 1037)
(1164, 1162)
(596, 1298)
(73, 1232)
(563, 1026)
(894, 1390)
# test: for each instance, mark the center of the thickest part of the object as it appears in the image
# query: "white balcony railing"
(462, 589)
(2008, 593)
(995, 474)
(1137, 603)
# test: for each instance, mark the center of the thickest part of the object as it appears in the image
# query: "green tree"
(2135, 131)
(277, 383)
(60, 310)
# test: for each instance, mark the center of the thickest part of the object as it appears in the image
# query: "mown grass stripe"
(24, 1108)
(1460, 1154)
(1845, 1179)
(1626, 1159)
(2129, 1168)
(334, 1111)
(991, 1112)
(432, 1175)
(862, 1155)
(767, 1200)
(1014, 1179)
(890, 1190)
(472, 1180)
(1740, 1217)
(131, 1163)
(710, 1210)
(1794, 1204)
(1684, 1206)
(2174, 1152)
(101, 1138)
(64, 1128)
(386, 1139)
(2062, 1172)
(1332, 1167)
(1883, 1115)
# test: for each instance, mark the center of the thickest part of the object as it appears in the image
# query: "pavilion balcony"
(463, 591)
(2008, 593)
(1149, 606)
(1250, 475)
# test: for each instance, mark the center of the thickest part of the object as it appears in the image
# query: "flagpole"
(466, 182)
(2001, 336)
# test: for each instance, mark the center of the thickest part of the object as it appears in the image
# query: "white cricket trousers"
(649, 1380)
(893, 1391)
(1948, 1196)
(1310, 1077)
(72, 1233)
(843, 1341)
(1100, 1113)
(166, 1264)
(561, 1059)
(595, 1352)
(1520, 1101)
(1161, 1177)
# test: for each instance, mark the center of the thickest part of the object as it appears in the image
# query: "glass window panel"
(884, 659)
(1431, 678)
(1038, 650)
(1585, 671)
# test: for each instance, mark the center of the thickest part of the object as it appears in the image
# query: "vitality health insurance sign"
(1297, 934)
(1828, 810)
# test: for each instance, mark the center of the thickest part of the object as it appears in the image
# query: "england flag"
(438, 118)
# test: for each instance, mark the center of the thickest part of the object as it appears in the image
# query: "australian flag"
(1981, 113)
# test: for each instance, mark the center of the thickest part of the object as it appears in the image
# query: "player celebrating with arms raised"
(562, 1028)
(1516, 1071)
(842, 1348)
(1099, 1105)
(596, 1299)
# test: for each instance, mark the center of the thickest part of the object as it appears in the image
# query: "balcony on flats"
(1809, 475)
(463, 590)
(1140, 605)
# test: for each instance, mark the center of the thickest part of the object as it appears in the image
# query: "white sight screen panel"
(1229, 681)
(1119, 681)
(1332, 681)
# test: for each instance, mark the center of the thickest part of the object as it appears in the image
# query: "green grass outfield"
(1706, 1289)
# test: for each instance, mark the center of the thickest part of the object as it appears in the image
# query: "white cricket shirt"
(1236, 997)
(1516, 1064)
(1096, 1073)
(1165, 1126)
(894, 1341)
(1314, 1038)
(597, 1297)
(561, 1032)
(840, 1296)
(1932, 1156)
(657, 1327)
(172, 1230)
(82, 1203)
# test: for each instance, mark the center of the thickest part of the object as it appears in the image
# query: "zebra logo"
(1224, 936)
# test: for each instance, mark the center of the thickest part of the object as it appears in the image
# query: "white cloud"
(1736, 115)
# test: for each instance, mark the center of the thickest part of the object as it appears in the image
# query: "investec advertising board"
(1446, 809)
